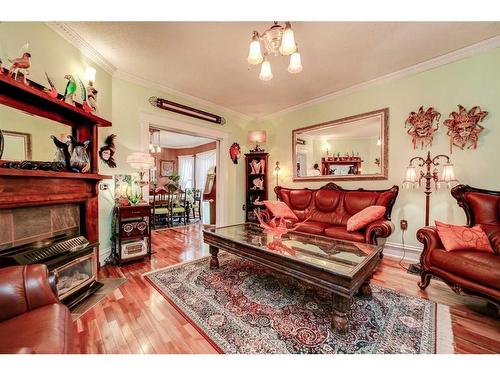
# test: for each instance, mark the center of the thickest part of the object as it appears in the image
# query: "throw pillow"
(280, 209)
(459, 237)
(365, 217)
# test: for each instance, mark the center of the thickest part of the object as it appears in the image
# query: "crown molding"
(132, 78)
(64, 30)
(436, 62)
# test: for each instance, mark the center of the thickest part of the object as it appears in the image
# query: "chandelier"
(154, 141)
(279, 41)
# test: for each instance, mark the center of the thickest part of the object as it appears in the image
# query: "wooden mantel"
(34, 100)
(27, 188)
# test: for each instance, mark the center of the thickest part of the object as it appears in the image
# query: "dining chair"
(196, 205)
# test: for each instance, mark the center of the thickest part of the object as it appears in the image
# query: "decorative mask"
(235, 152)
(463, 127)
(421, 126)
(107, 151)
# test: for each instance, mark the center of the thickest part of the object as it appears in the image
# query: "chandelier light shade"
(278, 41)
(288, 45)
(254, 52)
(265, 71)
(295, 63)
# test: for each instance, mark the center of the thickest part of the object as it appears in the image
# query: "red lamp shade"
(256, 136)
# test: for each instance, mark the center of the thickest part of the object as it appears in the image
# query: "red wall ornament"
(234, 152)
(422, 127)
(463, 127)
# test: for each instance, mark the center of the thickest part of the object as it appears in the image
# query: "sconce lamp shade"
(140, 160)
(410, 177)
(90, 74)
(257, 136)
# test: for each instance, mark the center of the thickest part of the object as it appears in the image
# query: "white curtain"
(204, 161)
(186, 169)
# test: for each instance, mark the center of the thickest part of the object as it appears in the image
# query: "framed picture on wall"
(167, 168)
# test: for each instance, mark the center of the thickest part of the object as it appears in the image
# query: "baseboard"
(397, 251)
(103, 255)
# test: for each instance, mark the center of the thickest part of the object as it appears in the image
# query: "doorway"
(196, 168)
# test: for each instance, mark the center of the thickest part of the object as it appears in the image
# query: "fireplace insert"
(71, 259)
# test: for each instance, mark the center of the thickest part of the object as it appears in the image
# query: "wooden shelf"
(49, 174)
(34, 100)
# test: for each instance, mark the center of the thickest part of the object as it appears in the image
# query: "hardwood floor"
(135, 318)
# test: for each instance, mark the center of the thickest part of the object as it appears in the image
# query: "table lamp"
(257, 136)
(142, 162)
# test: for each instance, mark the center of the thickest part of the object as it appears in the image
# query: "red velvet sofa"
(467, 271)
(331, 206)
(32, 320)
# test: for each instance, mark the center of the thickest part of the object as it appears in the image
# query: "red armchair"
(331, 206)
(32, 320)
(467, 271)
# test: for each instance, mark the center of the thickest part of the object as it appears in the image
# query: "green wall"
(118, 100)
(471, 81)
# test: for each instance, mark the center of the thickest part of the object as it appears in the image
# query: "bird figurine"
(85, 105)
(92, 97)
(53, 91)
(21, 63)
(69, 92)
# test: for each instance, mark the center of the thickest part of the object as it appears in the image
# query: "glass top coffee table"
(342, 267)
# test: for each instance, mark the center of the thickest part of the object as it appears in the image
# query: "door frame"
(194, 127)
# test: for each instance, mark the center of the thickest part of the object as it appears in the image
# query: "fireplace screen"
(75, 275)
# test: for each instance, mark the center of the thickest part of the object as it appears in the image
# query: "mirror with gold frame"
(350, 148)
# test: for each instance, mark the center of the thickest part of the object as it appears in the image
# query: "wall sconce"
(90, 75)
(257, 136)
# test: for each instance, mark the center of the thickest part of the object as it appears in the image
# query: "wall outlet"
(244, 208)
(403, 224)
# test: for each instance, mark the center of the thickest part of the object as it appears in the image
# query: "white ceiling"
(208, 59)
(178, 140)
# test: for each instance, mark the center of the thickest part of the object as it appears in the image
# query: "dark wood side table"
(131, 233)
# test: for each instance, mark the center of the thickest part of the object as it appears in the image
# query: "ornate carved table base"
(340, 304)
(214, 261)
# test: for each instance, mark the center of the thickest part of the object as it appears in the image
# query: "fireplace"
(51, 235)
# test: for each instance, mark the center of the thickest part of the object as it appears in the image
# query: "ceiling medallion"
(279, 41)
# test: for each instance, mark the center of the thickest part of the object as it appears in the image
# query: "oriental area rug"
(244, 307)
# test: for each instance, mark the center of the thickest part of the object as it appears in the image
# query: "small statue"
(22, 64)
(79, 161)
(92, 97)
(53, 91)
(69, 92)
(85, 105)
(62, 154)
(108, 150)
(1, 69)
